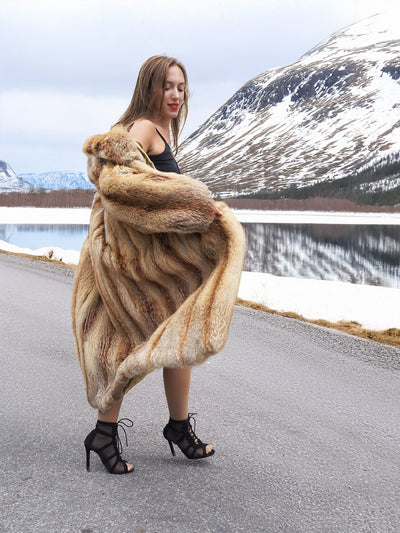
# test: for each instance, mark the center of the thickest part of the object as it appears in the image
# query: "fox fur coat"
(158, 273)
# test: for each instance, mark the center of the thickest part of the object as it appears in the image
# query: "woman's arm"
(156, 202)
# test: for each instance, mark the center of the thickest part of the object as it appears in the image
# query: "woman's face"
(169, 100)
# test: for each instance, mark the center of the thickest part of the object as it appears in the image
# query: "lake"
(363, 254)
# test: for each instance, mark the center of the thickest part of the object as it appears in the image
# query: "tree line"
(42, 198)
(354, 187)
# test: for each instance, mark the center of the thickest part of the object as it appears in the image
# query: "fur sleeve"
(156, 202)
(134, 192)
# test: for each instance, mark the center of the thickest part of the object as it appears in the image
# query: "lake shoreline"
(81, 215)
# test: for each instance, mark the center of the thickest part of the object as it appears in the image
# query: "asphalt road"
(305, 422)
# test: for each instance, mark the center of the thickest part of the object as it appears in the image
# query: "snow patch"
(69, 257)
(375, 308)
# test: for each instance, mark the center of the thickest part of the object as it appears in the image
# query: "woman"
(158, 106)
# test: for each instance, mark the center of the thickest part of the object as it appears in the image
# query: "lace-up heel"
(181, 433)
(105, 441)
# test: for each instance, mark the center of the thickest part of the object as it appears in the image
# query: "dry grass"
(58, 198)
(43, 258)
(389, 336)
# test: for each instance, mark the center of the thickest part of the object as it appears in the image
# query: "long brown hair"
(151, 79)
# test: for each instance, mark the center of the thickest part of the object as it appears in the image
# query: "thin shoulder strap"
(162, 137)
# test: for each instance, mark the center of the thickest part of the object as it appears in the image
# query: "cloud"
(97, 47)
(38, 125)
(69, 68)
(42, 124)
(366, 8)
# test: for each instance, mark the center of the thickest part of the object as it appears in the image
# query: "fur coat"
(158, 273)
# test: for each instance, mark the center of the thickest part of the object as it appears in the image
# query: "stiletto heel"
(172, 448)
(104, 440)
(181, 433)
(87, 460)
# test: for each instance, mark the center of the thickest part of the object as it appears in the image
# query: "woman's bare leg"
(177, 387)
(112, 416)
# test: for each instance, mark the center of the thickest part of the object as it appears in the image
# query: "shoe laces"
(192, 430)
(191, 417)
(120, 424)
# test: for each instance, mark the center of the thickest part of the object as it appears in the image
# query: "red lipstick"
(174, 106)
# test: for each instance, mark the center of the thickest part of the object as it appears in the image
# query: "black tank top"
(165, 162)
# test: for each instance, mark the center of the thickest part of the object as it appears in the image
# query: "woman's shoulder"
(143, 125)
(145, 132)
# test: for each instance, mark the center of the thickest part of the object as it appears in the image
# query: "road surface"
(305, 422)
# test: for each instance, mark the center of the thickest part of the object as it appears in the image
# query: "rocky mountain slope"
(327, 122)
(9, 181)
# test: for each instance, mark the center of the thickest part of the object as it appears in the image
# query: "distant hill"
(50, 181)
(58, 180)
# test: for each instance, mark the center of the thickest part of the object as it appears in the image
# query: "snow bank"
(316, 217)
(79, 215)
(375, 308)
(44, 215)
(70, 257)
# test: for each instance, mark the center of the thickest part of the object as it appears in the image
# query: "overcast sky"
(68, 69)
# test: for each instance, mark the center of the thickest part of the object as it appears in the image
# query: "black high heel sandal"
(181, 433)
(104, 440)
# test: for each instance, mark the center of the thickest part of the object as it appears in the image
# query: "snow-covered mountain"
(9, 181)
(58, 180)
(332, 115)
